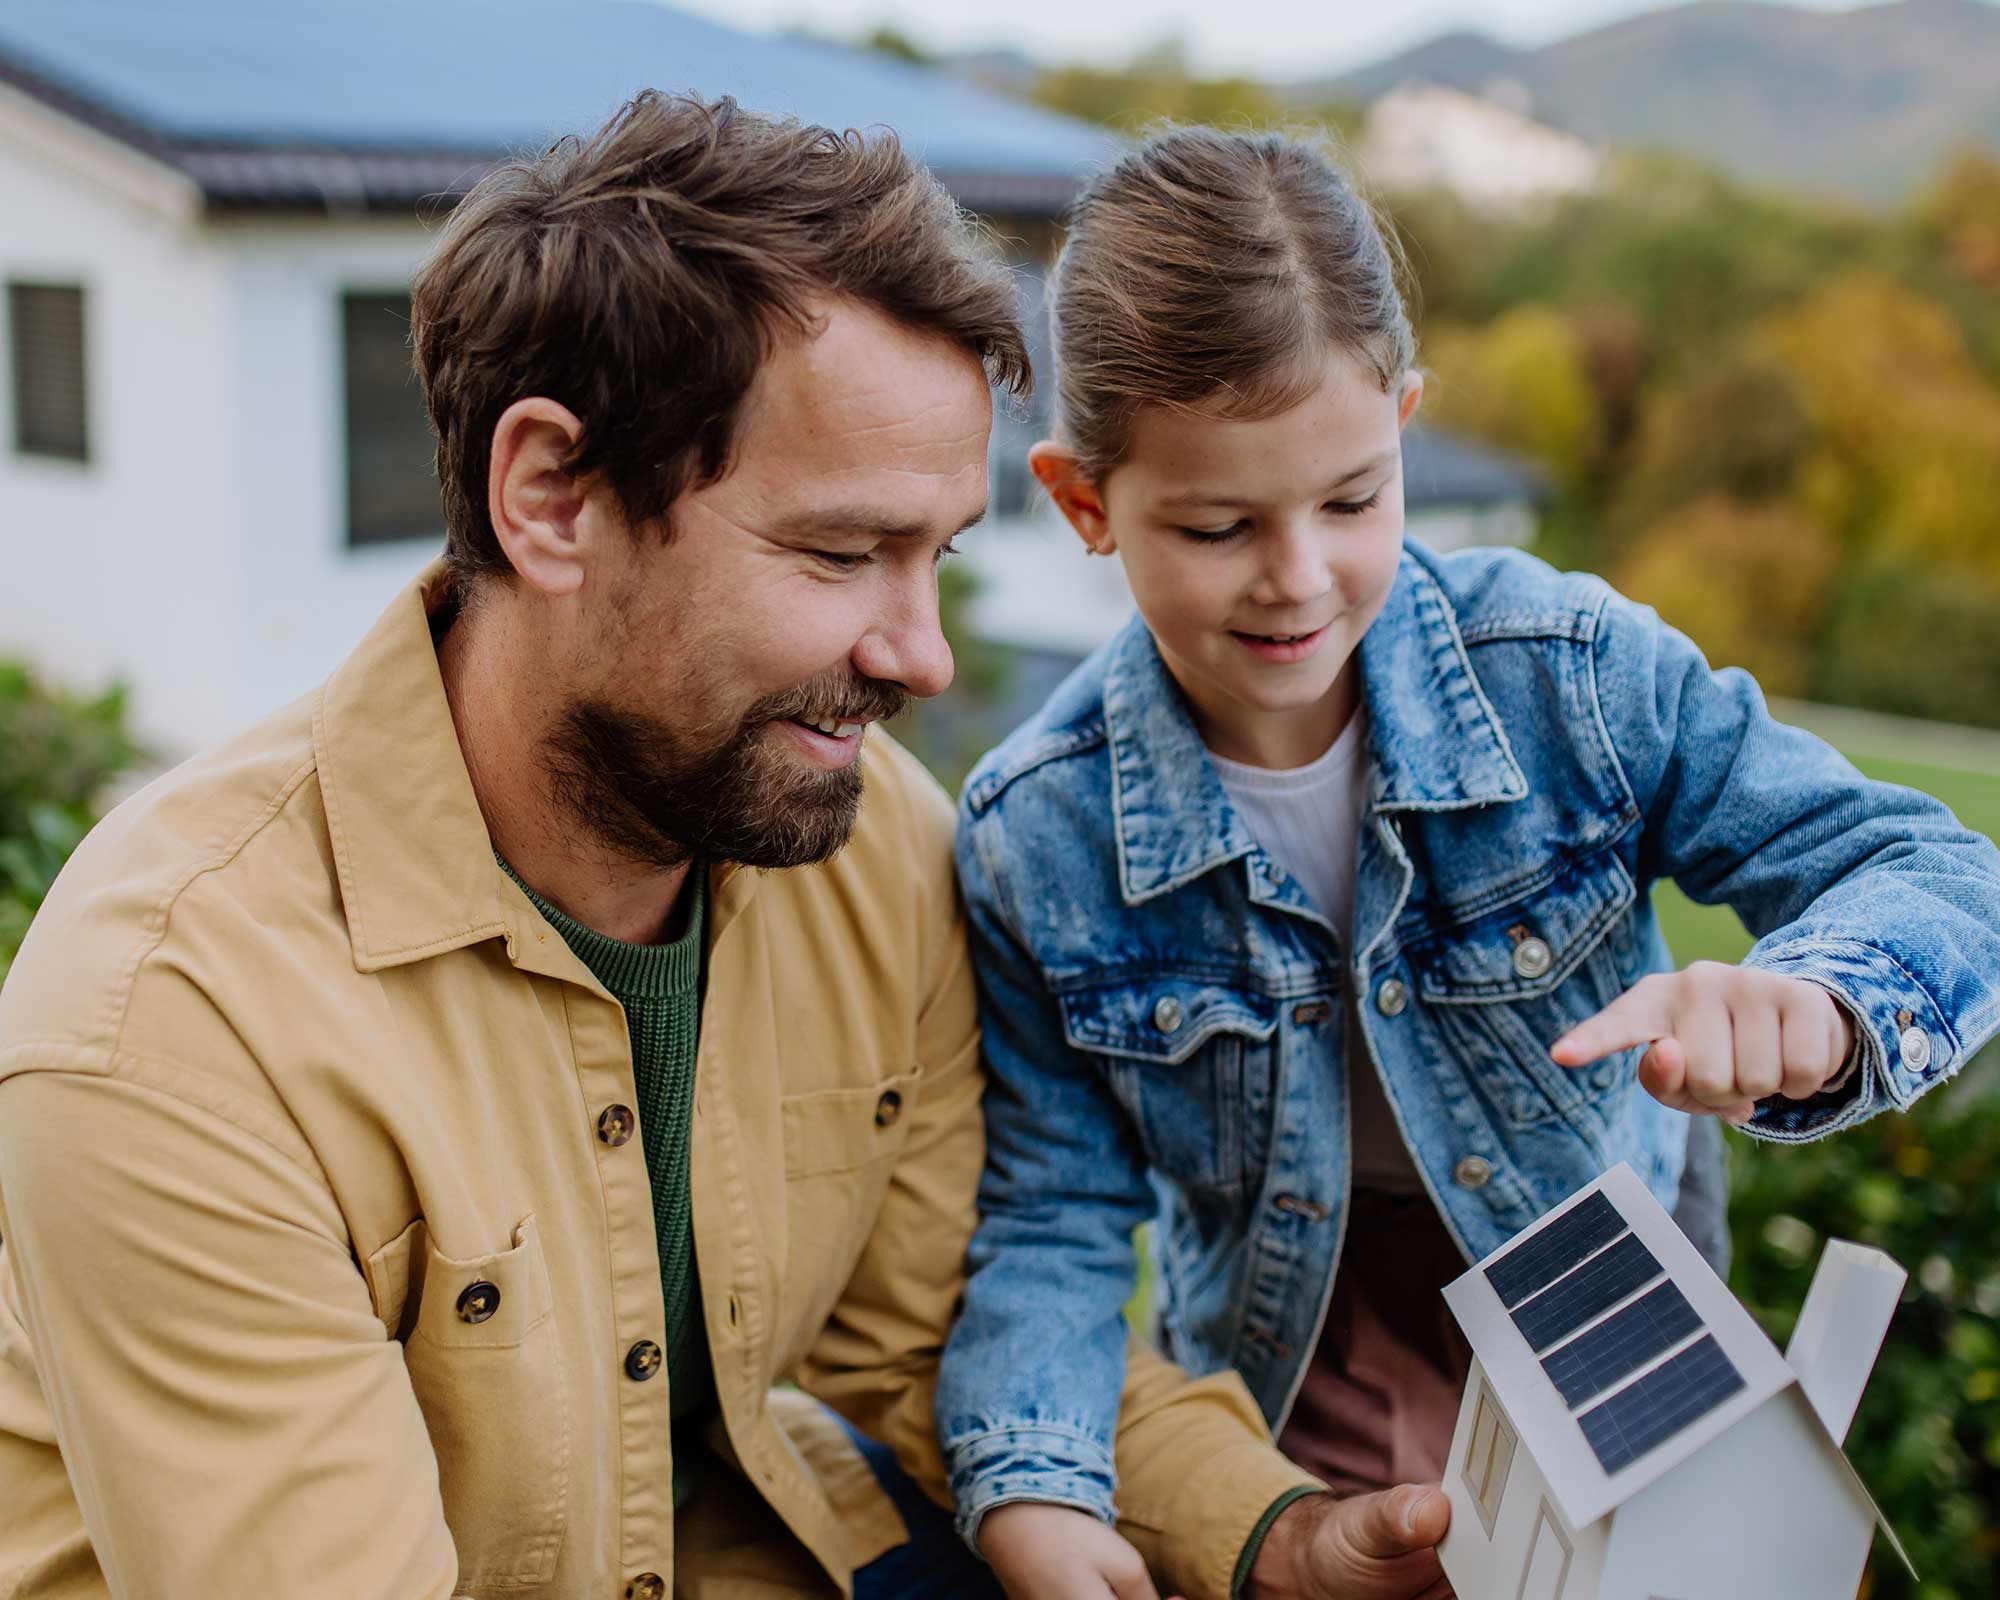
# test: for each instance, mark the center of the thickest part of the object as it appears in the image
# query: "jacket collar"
(418, 876)
(1435, 742)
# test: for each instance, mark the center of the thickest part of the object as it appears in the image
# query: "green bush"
(57, 754)
(1925, 1188)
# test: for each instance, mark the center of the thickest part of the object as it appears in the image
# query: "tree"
(1523, 382)
(1749, 584)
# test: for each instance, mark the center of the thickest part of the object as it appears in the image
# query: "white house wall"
(306, 598)
(1499, 1566)
(1774, 1514)
(120, 567)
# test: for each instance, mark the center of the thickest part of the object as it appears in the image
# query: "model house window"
(1547, 1568)
(1488, 1459)
(45, 334)
(392, 490)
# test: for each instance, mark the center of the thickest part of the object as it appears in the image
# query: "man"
(436, 1129)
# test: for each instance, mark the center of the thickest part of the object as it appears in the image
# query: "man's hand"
(1380, 1546)
(1722, 1037)
(1042, 1552)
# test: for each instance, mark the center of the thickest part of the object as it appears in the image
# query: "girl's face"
(1259, 552)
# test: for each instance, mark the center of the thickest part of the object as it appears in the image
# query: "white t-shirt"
(1308, 820)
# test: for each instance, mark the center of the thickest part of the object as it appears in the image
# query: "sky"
(1280, 39)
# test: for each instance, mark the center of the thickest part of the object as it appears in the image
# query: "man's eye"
(948, 548)
(844, 560)
(1216, 535)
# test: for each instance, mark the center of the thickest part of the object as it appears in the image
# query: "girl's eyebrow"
(1204, 496)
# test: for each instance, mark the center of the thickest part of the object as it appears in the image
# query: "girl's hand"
(1043, 1552)
(1722, 1037)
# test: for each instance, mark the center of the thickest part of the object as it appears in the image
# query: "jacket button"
(647, 1586)
(1392, 997)
(1472, 1172)
(1166, 1013)
(888, 1108)
(1532, 957)
(642, 1361)
(478, 1301)
(615, 1124)
(1916, 1049)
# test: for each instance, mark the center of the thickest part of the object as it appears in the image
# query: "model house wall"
(1764, 1511)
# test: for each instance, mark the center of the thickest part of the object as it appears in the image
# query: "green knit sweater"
(659, 985)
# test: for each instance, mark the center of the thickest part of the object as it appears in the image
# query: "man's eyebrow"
(1205, 496)
(857, 522)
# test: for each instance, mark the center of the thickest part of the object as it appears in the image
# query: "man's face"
(722, 682)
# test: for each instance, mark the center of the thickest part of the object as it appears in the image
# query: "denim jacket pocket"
(1504, 984)
(1190, 1059)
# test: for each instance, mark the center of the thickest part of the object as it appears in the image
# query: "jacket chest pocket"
(1506, 985)
(487, 1369)
(1193, 1064)
(841, 1147)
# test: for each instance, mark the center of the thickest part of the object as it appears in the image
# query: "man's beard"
(662, 797)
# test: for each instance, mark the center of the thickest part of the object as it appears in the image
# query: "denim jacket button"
(1472, 1172)
(1392, 997)
(1916, 1049)
(1532, 957)
(1166, 1013)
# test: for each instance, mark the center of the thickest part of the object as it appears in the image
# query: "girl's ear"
(1413, 394)
(1057, 470)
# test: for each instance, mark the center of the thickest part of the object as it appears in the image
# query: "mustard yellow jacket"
(288, 1065)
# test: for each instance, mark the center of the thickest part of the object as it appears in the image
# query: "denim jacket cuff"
(1903, 1042)
(1042, 1462)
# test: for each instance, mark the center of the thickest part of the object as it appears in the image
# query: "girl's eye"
(1216, 535)
(1353, 508)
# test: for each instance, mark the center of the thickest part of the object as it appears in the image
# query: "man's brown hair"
(640, 277)
(1217, 270)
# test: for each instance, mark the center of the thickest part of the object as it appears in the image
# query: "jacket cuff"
(1050, 1465)
(1903, 1043)
(1205, 1548)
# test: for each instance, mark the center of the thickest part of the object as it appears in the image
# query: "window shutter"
(51, 410)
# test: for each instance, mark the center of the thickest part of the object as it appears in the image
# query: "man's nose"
(907, 645)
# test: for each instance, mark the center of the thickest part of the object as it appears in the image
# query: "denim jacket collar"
(1435, 742)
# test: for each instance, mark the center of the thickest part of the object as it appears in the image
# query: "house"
(1628, 1433)
(1484, 148)
(214, 467)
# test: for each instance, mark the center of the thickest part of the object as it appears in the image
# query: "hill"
(1860, 105)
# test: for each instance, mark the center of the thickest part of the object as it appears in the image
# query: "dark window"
(46, 332)
(392, 490)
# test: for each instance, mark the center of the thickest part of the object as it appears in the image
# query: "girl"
(1282, 900)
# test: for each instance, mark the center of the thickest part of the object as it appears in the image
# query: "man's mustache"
(842, 699)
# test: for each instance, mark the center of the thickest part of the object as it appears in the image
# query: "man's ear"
(1413, 396)
(1076, 496)
(546, 521)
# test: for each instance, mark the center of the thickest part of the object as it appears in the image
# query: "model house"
(1628, 1432)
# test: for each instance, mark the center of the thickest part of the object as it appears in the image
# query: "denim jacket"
(1162, 1006)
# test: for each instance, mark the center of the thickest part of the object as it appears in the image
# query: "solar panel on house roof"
(1621, 1344)
(1669, 1398)
(1545, 1256)
(1585, 1292)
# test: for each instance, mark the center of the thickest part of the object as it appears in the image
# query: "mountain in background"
(1862, 105)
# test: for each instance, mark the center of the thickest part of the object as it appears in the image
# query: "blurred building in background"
(1485, 148)
(217, 468)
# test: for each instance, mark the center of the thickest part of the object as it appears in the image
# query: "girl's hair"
(1216, 270)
